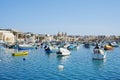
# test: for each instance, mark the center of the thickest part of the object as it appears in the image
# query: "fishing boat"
(47, 50)
(108, 47)
(21, 53)
(113, 44)
(63, 52)
(51, 49)
(98, 53)
(66, 45)
(25, 47)
(72, 47)
(86, 45)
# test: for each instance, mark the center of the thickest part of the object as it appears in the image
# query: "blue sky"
(77, 17)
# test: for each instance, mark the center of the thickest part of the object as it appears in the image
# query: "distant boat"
(98, 54)
(113, 44)
(47, 50)
(63, 52)
(86, 45)
(25, 47)
(72, 47)
(66, 45)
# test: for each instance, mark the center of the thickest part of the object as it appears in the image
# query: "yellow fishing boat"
(22, 53)
(107, 47)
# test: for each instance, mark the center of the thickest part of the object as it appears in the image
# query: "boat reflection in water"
(62, 59)
(98, 63)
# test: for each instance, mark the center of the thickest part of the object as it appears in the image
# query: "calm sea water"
(41, 66)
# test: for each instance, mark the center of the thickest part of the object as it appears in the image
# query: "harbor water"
(39, 65)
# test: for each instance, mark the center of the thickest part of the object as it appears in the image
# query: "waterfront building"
(48, 38)
(30, 37)
(7, 36)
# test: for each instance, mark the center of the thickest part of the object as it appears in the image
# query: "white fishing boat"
(98, 54)
(113, 44)
(63, 52)
(25, 47)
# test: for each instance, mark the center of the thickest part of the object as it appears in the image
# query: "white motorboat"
(25, 47)
(63, 52)
(98, 54)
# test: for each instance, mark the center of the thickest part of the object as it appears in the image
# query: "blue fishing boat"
(72, 47)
